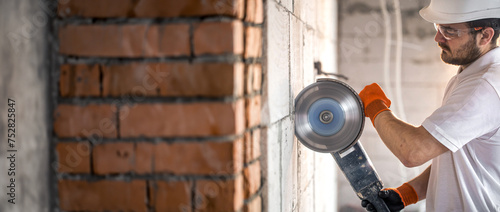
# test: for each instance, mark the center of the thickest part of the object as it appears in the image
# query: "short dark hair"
(489, 22)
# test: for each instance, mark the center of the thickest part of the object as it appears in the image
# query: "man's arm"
(420, 183)
(413, 146)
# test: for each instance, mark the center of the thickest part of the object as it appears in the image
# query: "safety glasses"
(451, 33)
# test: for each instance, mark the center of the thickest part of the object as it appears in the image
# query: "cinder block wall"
(297, 33)
(362, 40)
(157, 105)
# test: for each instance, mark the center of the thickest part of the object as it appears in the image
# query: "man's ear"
(486, 36)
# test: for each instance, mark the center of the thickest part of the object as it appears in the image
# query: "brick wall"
(157, 105)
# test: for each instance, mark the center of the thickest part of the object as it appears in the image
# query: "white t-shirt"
(467, 178)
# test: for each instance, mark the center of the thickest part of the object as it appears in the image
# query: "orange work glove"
(395, 198)
(374, 101)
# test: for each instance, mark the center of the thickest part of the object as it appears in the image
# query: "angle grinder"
(329, 118)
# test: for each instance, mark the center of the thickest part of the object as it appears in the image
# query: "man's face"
(461, 50)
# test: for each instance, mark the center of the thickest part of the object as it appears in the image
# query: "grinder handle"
(359, 171)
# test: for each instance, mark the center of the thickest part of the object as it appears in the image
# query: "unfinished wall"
(362, 42)
(24, 165)
(297, 33)
(157, 105)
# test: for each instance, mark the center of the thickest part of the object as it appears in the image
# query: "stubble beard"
(464, 55)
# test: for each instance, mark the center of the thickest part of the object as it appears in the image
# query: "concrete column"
(24, 78)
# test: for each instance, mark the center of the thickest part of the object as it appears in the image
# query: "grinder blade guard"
(329, 118)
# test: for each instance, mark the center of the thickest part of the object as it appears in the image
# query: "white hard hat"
(459, 11)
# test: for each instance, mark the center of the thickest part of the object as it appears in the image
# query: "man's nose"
(439, 37)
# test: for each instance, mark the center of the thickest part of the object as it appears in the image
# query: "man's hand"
(374, 101)
(391, 199)
(395, 198)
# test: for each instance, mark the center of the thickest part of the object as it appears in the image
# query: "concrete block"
(273, 176)
(278, 58)
(296, 55)
(288, 165)
(325, 182)
(306, 11)
(326, 19)
(306, 198)
(306, 166)
(324, 52)
(288, 4)
(308, 55)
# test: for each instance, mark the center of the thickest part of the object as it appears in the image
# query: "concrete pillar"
(24, 77)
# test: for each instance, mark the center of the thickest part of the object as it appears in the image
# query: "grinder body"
(329, 118)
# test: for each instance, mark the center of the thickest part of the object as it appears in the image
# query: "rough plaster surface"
(297, 33)
(24, 78)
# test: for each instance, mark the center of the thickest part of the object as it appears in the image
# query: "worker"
(462, 137)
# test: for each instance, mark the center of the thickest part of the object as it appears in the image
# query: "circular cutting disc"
(329, 116)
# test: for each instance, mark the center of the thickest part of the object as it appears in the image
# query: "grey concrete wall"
(24, 78)
(297, 33)
(362, 41)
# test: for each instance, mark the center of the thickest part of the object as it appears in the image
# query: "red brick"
(79, 80)
(254, 206)
(74, 157)
(253, 111)
(136, 79)
(206, 158)
(144, 157)
(254, 11)
(204, 79)
(113, 158)
(93, 120)
(219, 195)
(173, 79)
(182, 119)
(247, 143)
(174, 40)
(151, 8)
(95, 8)
(77, 195)
(251, 179)
(122, 157)
(133, 40)
(255, 153)
(253, 78)
(252, 145)
(257, 77)
(170, 196)
(218, 38)
(253, 42)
